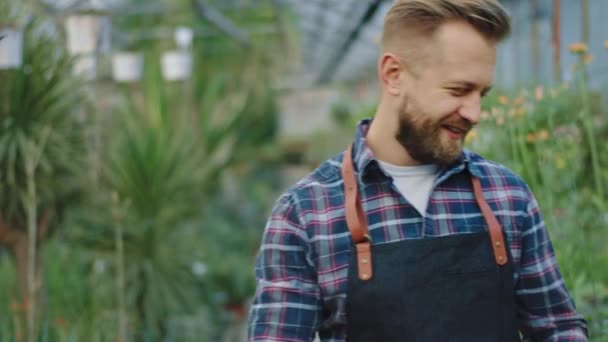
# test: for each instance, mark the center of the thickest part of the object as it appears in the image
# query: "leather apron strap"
(357, 223)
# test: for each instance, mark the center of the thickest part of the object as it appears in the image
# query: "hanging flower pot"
(176, 65)
(183, 37)
(11, 48)
(127, 66)
(86, 67)
(84, 32)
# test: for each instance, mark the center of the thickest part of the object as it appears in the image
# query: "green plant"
(167, 150)
(550, 137)
(41, 150)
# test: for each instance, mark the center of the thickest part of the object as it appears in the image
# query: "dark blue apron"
(452, 288)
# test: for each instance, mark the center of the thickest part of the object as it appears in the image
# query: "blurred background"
(143, 143)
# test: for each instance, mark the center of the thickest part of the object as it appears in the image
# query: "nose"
(470, 109)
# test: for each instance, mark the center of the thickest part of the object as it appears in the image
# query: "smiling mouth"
(455, 132)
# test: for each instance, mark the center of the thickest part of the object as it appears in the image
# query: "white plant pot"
(11, 48)
(183, 37)
(176, 65)
(86, 67)
(83, 33)
(127, 66)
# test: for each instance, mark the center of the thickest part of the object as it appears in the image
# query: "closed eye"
(459, 91)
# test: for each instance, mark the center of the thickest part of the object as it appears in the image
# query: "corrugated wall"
(528, 56)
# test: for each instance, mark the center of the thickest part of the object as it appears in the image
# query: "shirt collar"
(366, 164)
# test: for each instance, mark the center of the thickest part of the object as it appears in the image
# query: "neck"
(381, 139)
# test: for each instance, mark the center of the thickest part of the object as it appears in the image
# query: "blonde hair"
(408, 21)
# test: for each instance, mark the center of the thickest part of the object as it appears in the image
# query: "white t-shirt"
(413, 182)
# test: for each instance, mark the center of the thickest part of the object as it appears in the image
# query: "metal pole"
(534, 33)
(585, 20)
(556, 41)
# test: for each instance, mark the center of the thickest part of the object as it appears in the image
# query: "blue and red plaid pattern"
(302, 265)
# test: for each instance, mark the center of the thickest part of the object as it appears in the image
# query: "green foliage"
(156, 181)
(550, 137)
(40, 112)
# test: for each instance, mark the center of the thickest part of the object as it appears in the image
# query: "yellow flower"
(531, 138)
(520, 100)
(503, 100)
(539, 93)
(560, 163)
(588, 58)
(520, 112)
(578, 48)
(606, 43)
(543, 135)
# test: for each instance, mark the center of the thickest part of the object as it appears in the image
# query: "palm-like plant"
(163, 163)
(41, 153)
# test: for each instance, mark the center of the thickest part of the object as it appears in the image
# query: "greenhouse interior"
(144, 143)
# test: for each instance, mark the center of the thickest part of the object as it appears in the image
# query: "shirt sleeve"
(286, 305)
(545, 308)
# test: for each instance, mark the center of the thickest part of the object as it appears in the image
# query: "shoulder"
(494, 173)
(499, 181)
(320, 190)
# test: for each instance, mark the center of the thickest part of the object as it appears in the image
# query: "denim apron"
(451, 288)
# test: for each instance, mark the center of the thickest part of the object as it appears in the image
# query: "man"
(406, 236)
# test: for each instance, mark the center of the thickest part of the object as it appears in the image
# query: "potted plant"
(11, 47)
(85, 31)
(42, 106)
(127, 66)
(177, 64)
(11, 37)
(82, 32)
(130, 33)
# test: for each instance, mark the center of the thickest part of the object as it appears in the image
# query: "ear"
(389, 71)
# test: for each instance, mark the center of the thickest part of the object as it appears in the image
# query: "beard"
(423, 137)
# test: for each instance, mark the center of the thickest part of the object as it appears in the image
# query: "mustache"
(458, 123)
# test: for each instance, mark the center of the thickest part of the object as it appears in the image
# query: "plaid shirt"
(302, 264)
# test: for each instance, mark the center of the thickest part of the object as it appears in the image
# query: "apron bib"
(451, 288)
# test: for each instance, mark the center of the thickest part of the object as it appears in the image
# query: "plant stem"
(120, 281)
(30, 204)
(588, 128)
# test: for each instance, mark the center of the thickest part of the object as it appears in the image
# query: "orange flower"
(606, 44)
(539, 93)
(520, 111)
(503, 100)
(531, 138)
(61, 322)
(588, 58)
(543, 135)
(578, 48)
(520, 100)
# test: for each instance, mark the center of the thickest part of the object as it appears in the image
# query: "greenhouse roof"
(339, 39)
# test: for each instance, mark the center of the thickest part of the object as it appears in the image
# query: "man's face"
(441, 101)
